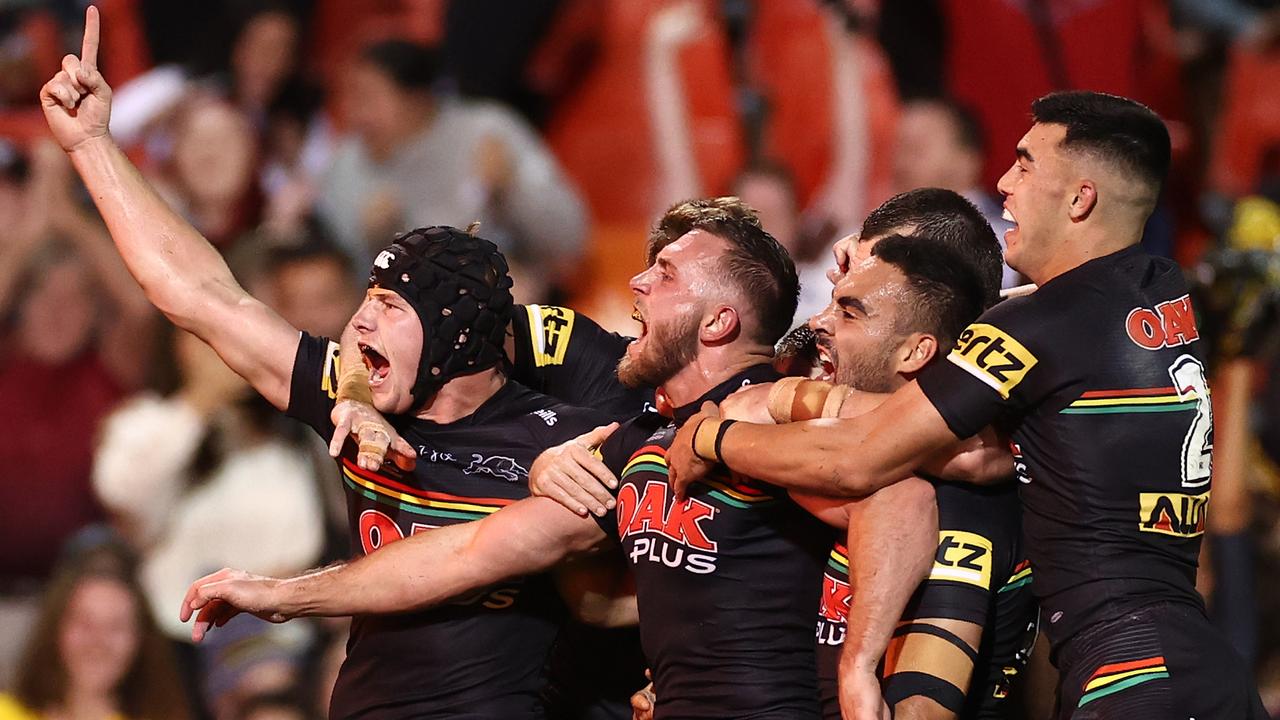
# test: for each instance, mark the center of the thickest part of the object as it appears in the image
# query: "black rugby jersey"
(481, 656)
(726, 582)
(979, 575)
(568, 356)
(1098, 376)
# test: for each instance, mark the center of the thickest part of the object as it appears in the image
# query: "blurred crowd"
(300, 136)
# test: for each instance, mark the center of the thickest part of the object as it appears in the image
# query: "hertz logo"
(1173, 513)
(549, 330)
(962, 557)
(989, 354)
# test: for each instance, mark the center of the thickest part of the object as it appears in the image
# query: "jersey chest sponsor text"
(661, 530)
(1167, 325)
(377, 530)
(833, 611)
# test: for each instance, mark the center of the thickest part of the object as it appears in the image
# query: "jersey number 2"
(1197, 447)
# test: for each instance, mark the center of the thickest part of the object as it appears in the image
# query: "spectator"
(1246, 22)
(221, 490)
(264, 58)
(768, 187)
(417, 158)
(95, 652)
(297, 147)
(210, 176)
(942, 144)
(312, 285)
(72, 322)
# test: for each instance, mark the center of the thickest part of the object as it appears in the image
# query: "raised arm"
(180, 272)
(420, 571)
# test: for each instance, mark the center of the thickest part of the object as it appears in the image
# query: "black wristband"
(720, 431)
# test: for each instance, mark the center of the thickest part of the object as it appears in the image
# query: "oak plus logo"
(1169, 324)
(668, 532)
(833, 612)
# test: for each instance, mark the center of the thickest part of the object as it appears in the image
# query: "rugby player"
(727, 582)
(432, 325)
(572, 351)
(969, 628)
(1098, 377)
(890, 317)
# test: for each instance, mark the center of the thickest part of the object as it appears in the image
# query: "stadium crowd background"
(297, 136)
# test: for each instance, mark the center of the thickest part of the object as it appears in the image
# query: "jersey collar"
(756, 374)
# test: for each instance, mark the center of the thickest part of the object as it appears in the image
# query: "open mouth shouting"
(826, 362)
(379, 366)
(644, 328)
(1008, 217)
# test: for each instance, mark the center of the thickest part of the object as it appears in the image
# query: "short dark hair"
(761, 267)
(946, 292)
(1116, 129)
(413, 67)
(953, 221)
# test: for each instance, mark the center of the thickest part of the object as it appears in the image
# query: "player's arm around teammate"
(850, 457)
(180, 272)
(420, 571)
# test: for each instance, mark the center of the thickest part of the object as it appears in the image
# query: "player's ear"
(916, 352)
(721, 325)
(1084, 200)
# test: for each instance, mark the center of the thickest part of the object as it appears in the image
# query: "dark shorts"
(1162, 662)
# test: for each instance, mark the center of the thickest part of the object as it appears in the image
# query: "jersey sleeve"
(568, 356)
(999, 367)
(314, 384)
(976, 541)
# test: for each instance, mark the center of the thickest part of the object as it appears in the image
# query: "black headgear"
(459, 286)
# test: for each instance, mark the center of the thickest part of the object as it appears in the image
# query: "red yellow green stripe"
(839, 560)
(653, 458)
(650, 457)
(1131, 400)
(1113, 678)
(1021, 576)
(421, 502)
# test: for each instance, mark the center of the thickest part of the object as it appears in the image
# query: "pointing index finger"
(89, 49)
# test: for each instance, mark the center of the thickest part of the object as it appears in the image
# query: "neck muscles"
(700, 376)
(461, 396)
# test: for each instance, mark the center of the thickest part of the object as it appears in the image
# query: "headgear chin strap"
(459, 286)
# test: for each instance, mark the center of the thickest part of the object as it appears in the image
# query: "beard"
(668, 350)
(868, 371)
